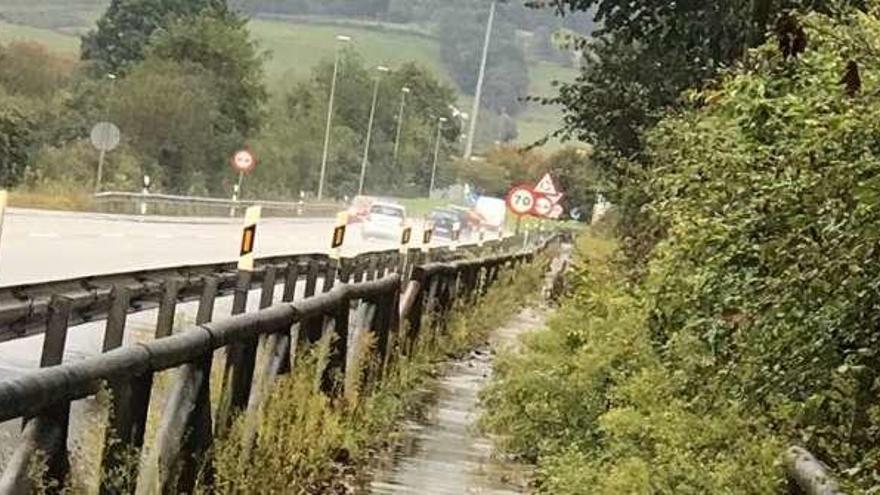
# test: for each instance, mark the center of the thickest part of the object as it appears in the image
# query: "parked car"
(470, 220)
(384, 221)
(444, 220)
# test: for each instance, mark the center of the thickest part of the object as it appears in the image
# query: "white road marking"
(114, 235)
(44, 235)
(164, 236)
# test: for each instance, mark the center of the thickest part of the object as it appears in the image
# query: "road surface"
(38, 246)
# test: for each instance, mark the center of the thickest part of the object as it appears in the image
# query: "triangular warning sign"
(555, 198)
(546, 186)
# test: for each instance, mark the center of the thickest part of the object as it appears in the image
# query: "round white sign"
(543, 206)
(557, 211)
(520, 200)
(243, 161)
(105, 136)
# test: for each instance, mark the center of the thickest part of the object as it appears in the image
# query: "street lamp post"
(382, 69)
(440, 123)
(342, 39)
(469, 148)
(403, 92)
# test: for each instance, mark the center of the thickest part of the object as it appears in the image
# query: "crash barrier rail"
(808, 475)
(29, 309)
(177, 461)
(168, 204)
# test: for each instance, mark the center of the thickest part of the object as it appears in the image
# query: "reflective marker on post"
(405, 238)
(427, 236)
(481, 238)
(338, 235)
(456, 235)
(249, 238)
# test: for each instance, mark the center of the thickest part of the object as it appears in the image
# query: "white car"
(384, 221)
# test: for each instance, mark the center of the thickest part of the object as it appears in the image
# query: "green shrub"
(592, 402)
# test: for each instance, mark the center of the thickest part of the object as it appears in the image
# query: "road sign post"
(243, 161)
(105, 137)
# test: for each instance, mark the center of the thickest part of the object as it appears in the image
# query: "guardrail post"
(167, 308)
(414, 319)
(290, 281)
(47, 433)
(384, 325)
(312, 278)
(125, 433)
(185, 435)
(114, 332)
(372, 268)
(240, 361)
(267, 291)
(330, 275)
(333, 374)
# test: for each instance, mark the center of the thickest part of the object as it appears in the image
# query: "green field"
(55, 41)
(295, 48)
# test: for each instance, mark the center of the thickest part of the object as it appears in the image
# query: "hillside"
(296, 45)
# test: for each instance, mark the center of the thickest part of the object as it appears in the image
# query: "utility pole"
(342, 39)
(382, 69)
(469, 148)
(403, 92)
(440, 122)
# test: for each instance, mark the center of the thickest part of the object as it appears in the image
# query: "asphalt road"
(39, 245)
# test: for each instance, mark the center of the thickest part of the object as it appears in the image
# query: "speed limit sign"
(243, 161)
(543, 206)
(521, 200)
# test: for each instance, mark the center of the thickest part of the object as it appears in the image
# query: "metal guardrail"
(807, 474)
(169, 204)
(27, 309)
(186, 431)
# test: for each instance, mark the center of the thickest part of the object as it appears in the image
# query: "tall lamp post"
(381, 69)
(403, 92)
(469, 148)
(341, 39)
(440, 123)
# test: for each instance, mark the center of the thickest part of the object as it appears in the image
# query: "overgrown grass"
(52, 199)
(308, 443)
(595, 404)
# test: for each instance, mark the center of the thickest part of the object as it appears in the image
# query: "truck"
(492, 211)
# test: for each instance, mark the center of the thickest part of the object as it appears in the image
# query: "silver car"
(384, 221)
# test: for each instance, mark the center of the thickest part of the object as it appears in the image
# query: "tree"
(28, 69)
(461, 29)
(167, 112)
(645, 55)
(294, 140)
(124, 30)
(222, 46)
(17, 139)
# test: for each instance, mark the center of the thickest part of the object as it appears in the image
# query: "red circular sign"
(543, 206)
(521, 200)
(243, 161)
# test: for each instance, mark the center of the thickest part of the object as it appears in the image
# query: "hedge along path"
(446, 454)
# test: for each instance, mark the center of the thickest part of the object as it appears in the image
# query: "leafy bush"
(593, 403)
(757, 314)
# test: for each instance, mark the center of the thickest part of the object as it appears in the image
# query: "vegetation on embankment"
(751, 323)
(307, 443)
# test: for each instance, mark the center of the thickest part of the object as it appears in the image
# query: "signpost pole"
(100, 170)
